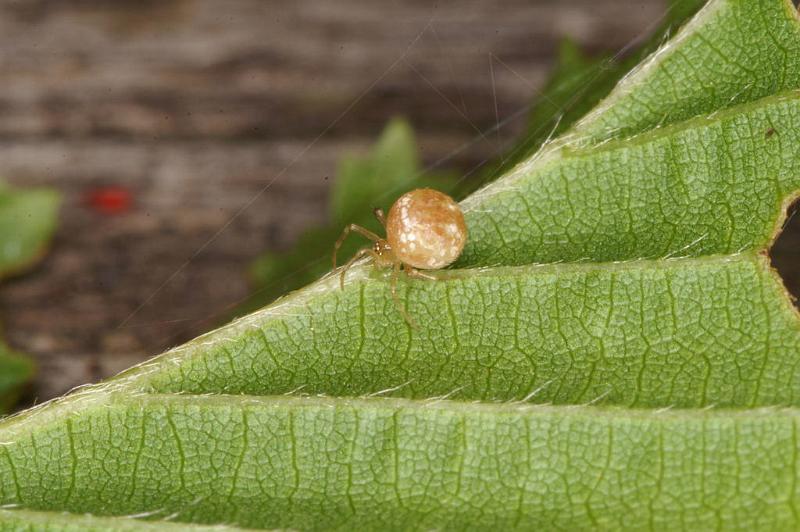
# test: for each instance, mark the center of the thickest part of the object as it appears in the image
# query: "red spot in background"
(109, 200)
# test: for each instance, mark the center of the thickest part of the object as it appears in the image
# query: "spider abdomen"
(425, 229)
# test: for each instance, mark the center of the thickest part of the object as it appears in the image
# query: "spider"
(425, 230)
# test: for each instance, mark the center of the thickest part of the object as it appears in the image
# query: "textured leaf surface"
(618, 278)
(388, 464)
(691, 332)
(704, 186)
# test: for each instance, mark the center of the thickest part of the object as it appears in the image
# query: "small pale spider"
(425, 230)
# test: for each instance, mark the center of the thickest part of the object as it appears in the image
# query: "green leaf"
(380, 464)
(363, 183)
(712, 184)
(618, 278)
(27, 221)
(15, 371)
(733, 51)
(567, 333)
(760, 56)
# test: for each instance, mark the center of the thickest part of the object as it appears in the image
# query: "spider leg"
(356, 229)
(361, 253)
(413, 272)
(396, 298)
(378, 212)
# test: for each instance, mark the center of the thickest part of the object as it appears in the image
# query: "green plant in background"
(15, 371)
(27, 221)
(614, 351)
(362, 183)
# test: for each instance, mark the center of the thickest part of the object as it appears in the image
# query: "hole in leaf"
(785, 252)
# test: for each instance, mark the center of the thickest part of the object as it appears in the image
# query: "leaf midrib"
(58, 411)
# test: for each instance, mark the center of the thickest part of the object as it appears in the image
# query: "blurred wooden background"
(196, 106)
